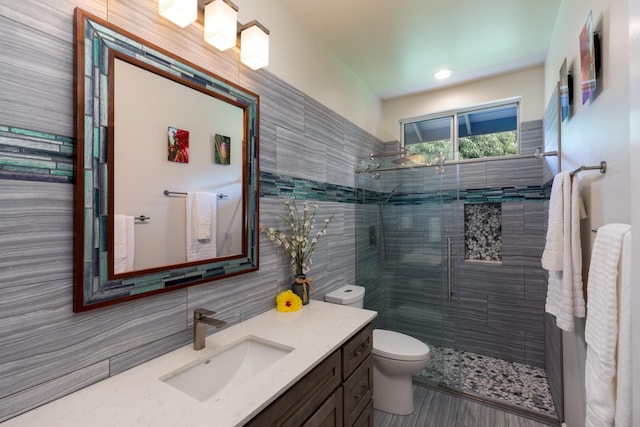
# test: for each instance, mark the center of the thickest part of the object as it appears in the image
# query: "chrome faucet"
(200, 320)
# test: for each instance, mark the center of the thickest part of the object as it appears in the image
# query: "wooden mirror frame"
(97, 44)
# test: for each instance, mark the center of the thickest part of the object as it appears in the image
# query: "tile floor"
(515, 383)
(435, 408)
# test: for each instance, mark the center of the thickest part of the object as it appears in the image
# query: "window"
(488, 130)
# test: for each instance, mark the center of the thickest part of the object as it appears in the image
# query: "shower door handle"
(449, 283)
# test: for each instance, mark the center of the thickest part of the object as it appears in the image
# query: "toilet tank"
(347, 295)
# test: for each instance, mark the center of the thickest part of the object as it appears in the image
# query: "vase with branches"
(298, 236)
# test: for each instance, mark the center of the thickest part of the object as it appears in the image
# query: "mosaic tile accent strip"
(483, 232)
(289, 187)
(35, 156)
(515, 383)
(283, 186)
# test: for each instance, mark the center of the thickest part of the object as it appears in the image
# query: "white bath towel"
(562, 255)
(624, 389)
(124, 243)
(602, 327)
(202, 206)
(199, 249)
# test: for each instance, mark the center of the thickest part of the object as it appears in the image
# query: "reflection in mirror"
(148, 108)
(148, 123)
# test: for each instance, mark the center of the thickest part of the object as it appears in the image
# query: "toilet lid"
(397, 346)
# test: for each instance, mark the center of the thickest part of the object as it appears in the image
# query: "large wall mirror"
(166, 167)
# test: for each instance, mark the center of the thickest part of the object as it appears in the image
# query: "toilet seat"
(397, 346)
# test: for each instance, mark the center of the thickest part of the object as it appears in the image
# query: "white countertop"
(138, 397)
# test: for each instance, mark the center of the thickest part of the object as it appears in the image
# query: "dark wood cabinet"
(336, 393)
(357, 390)
(329, 414)
(356, 350)
(298, 403)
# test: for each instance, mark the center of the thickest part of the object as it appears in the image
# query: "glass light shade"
(220, 24)
(254, 47)
(180, 12)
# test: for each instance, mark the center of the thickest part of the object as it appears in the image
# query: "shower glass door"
(402, 233)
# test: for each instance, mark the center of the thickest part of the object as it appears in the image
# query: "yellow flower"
(288, 301)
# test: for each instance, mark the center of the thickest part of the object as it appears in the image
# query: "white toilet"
(396, 357)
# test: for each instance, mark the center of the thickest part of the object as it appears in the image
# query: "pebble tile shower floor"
(515, 383)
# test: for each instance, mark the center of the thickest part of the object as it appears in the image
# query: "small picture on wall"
(565, 91)
(587, 61)
(222, 151)
(178, 145)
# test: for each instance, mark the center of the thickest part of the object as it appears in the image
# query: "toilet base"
(392, 394)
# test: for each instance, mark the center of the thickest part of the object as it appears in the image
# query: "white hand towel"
(123, 243)
(601, 329)
(559, 303)
(562, 256)
(553, 249)
(573, 250)
(200, 249)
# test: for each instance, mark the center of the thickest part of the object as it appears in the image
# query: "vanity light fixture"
(254, 45)
(445, 73)
(221, 24)
(180, 12)
(221, 28)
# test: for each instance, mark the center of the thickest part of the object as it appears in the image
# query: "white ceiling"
(395, 46)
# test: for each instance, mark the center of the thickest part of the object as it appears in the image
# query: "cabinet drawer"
(366, 418)
(329, 414)
(298, 403)
(356, 350)
(358, 391)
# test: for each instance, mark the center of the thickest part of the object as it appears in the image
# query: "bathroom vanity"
(337, 392)
(323, 377)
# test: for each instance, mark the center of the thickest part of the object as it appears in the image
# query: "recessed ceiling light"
(443, 74)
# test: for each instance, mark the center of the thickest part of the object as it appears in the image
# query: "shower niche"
(483, 232)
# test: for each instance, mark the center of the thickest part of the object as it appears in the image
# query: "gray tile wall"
(46, 350)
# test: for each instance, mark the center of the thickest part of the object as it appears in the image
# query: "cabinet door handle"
(364, 388)
(361, 348)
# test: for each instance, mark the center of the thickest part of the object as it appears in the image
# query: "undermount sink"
(228, 368)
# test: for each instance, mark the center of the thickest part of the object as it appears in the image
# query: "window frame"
(455, 113)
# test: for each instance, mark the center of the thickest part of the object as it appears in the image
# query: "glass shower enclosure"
(450, 254)
(407, 236)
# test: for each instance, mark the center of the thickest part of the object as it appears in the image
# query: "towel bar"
(180, 193)
(602, 167)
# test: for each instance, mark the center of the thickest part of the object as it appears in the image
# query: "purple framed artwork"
(587, 61)
(178, 145)
(565, 91)
(222, 151)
